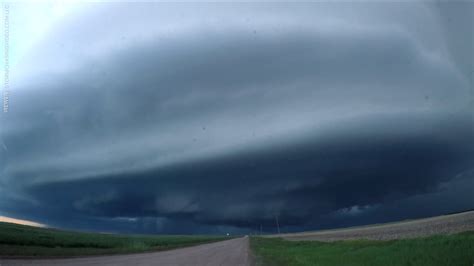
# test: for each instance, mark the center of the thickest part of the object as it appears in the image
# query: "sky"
(198, 118)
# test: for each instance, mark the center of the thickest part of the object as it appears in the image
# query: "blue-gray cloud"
(211, 119)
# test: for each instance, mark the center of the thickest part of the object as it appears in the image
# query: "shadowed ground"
(230, 252)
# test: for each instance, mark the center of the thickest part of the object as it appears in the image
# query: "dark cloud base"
(328, 180)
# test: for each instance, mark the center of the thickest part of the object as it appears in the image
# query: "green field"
(21, 240)
(455, 250)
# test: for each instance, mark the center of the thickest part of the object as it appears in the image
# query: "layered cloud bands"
(210, 118)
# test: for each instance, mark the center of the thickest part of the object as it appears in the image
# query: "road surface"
(233, 252)
(445, 224)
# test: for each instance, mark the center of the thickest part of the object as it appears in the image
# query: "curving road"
(229, 252)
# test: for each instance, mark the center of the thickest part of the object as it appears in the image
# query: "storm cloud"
(209, 118)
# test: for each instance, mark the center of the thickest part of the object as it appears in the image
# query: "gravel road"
(446, 224)
(229, 252)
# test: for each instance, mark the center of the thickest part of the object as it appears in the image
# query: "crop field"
(442, 250)
(437, 225)
(25, 241)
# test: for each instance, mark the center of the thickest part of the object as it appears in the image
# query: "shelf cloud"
(209, 118)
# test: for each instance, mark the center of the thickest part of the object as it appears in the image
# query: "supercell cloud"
(210, 118)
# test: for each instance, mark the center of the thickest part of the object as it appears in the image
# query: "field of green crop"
(21, 240)
(445, 250)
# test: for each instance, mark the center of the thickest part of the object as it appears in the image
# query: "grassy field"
(21, 240)
(455, 250)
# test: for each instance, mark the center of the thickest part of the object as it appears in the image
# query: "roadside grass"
(445, 250)
(23, 241)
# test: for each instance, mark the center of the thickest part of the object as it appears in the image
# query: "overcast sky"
(215, 118)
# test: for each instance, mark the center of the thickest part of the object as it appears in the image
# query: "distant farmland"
(436, 241)
(25, 241)
(442, 240)
(444, 224)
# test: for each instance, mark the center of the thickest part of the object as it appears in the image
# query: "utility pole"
(278, 224)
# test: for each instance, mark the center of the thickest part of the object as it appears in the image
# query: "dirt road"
(445, 224)
(229, 252)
